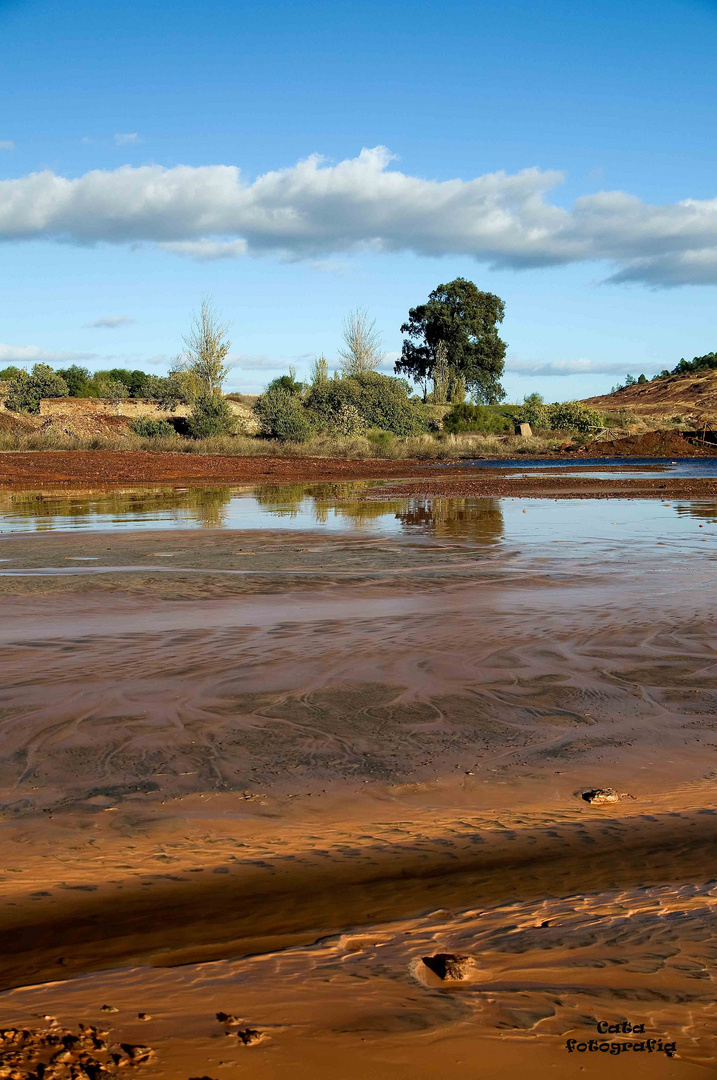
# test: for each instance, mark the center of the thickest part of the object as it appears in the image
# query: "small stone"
(249, 1036)
(227, 1018)
(143, 1016)
(108, 1008)
(450, 967)
(600, 796)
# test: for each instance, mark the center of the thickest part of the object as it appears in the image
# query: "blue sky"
(562, 156)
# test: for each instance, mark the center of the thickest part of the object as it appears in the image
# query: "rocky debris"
(451, 967)
(143, 1016)
(57, 1053)
(135, 1055)
(601, 796)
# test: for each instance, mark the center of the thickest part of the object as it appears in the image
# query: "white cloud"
(207, 250)
(110, 322)
(315, 211)
(7, 144)
(33, 354)
(569, 367)
(124, 140)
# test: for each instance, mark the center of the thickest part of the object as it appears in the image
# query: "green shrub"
(27, 391)
(283, 415)
(382, 440)
(210, 416)
(381, 401)
(560, 416)
(349, 421)
(467, 417)
(148, 428)
(573, 416)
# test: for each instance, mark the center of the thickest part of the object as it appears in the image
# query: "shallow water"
(604, 468)
(394, 737)
(564, 529)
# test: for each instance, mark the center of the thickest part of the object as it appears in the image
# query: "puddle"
(544, 528)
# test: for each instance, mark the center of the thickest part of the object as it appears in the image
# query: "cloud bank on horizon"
(313, 210)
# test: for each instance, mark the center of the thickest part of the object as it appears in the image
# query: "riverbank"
(109, 469)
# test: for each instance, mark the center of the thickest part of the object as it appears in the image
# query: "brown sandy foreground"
(239, 810)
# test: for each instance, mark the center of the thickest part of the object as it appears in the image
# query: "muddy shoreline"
(96, 469)
(265, 773)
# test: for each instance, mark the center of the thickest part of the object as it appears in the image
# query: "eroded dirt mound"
(87, 427)
(13, 425)
(653, 444)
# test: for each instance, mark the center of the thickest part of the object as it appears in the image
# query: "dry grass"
(426, 447)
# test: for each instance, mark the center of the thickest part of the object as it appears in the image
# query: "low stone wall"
(70, 408)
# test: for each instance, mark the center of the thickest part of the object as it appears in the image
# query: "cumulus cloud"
(124, 140)
(33, 354)
(110, 322)
(568, 367)
(315, 211)
(7, 144)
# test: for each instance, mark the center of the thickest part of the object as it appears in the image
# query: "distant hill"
(690, 395)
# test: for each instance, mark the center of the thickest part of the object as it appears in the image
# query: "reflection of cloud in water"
(468, 519)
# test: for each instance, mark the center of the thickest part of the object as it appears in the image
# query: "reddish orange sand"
(296, 793)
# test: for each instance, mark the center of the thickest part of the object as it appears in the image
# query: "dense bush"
(283, 415)
(560, 416)
(573, 416)
(381, 401)
(210, 416)
(27, 390)
(148, 428)
(467, 417)
(349, 421)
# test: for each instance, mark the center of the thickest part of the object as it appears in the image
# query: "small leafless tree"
(206, 347)
(362, 350)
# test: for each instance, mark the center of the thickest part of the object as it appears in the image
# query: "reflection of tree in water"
(467, 519)
(205, 505)
(322, 500)
(706, 511)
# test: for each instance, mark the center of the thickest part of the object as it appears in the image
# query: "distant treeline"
(698, 363)
(116, 382)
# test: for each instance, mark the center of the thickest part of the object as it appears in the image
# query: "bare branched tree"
(206, 347)
(362, 350)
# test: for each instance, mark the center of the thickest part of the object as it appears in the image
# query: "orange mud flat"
(88, 469)
(99, 468)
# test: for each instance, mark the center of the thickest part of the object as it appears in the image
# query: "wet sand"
(103, 468)
(271, 793)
